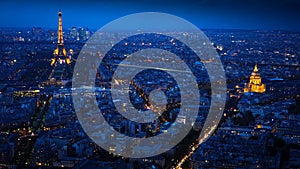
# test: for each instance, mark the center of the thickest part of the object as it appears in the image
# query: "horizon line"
(95, 29)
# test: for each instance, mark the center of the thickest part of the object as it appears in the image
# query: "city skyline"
(41, 125)
(205, 14)
(71, 97)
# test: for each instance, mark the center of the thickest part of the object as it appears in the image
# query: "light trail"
(158, 68)
(194, 147)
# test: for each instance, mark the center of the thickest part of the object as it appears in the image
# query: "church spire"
(255, 68)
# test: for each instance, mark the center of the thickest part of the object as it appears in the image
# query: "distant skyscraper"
(37, 33)
(81, 34)
(60, 53)
(73, 33)
(87, 33)
(255, 84)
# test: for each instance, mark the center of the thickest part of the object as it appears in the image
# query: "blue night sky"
(218, 14)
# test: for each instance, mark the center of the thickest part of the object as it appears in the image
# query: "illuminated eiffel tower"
(60, 53)
(61, 62)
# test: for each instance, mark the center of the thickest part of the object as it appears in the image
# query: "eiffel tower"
(61, 62)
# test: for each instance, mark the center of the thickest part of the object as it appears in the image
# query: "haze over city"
(215, 14)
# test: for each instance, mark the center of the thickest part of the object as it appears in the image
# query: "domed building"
(255, 84)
